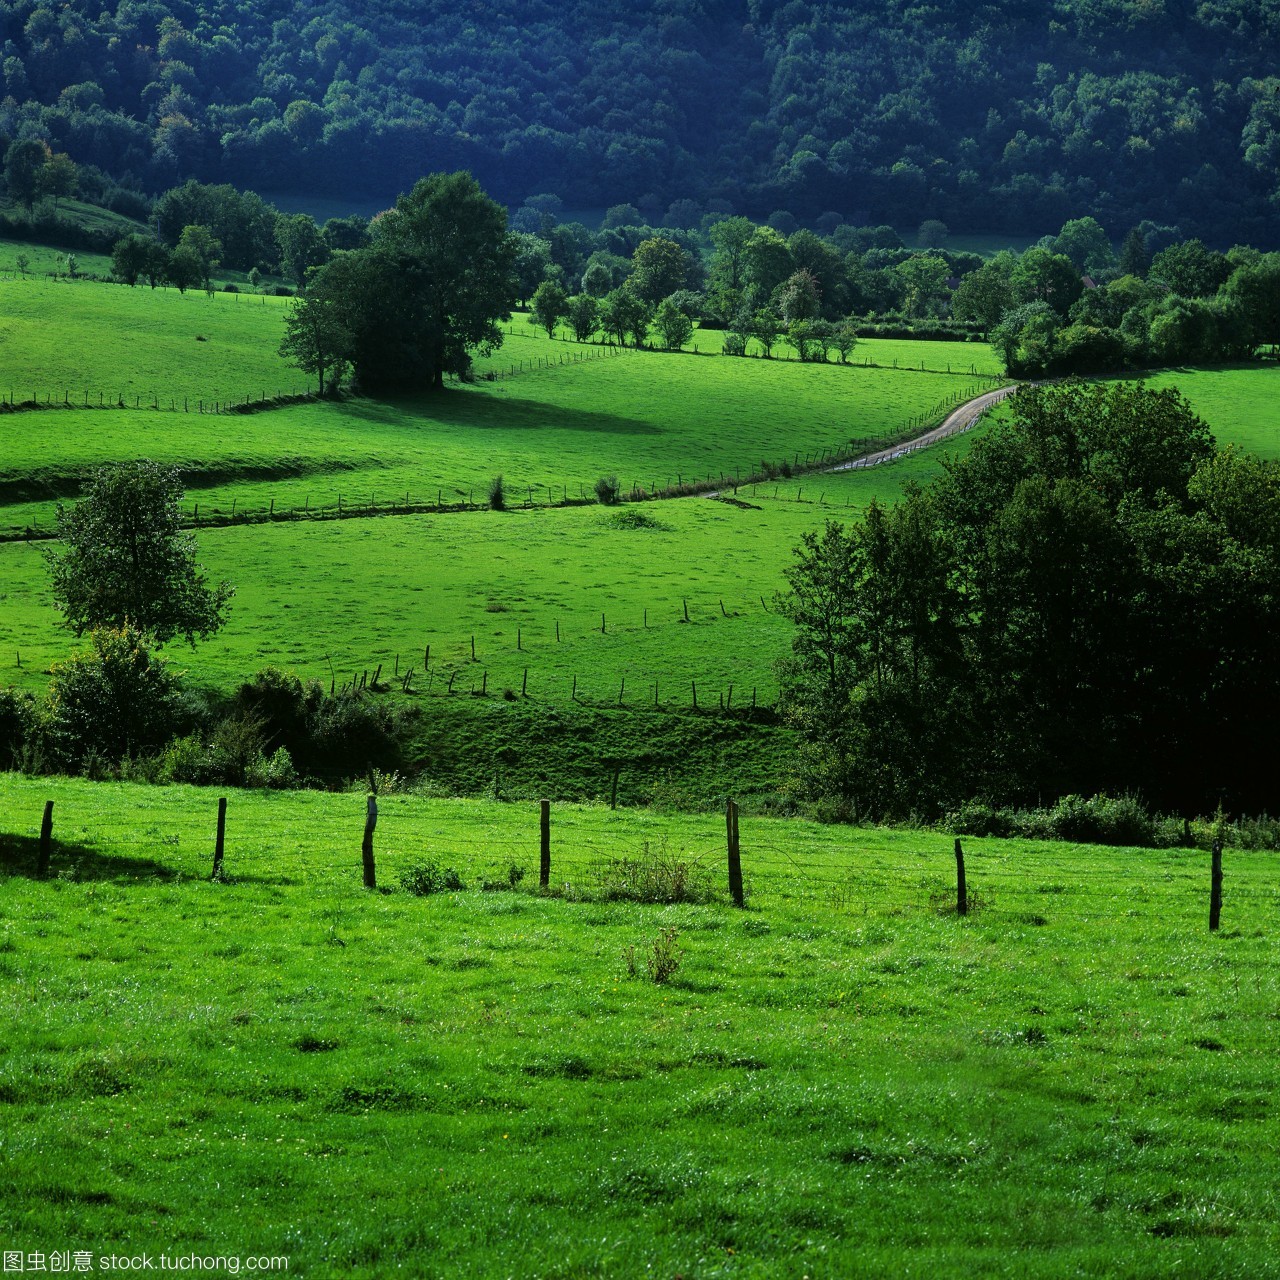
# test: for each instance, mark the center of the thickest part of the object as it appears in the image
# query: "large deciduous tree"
(458, 259)
(123, 558)
(658, 268)
(430, 288)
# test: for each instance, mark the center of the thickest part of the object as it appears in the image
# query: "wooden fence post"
(735, 860)
(962, 889)
(46, 840)
(220, 840)
(1215, 888)
(544, 833)
(366, 847)
(613, 791)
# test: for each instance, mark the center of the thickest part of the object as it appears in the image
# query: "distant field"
(1242, 405)
(568, 415)
(959, 358)
(366, 591)
(69, 339)
(845, 1079)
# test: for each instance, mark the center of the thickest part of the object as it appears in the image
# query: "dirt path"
(958, 420)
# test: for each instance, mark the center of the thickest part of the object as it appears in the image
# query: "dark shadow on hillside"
(468, 409)
(19, 856)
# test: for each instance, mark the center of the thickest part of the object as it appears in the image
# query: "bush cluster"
(1099, 819)
(116, 709)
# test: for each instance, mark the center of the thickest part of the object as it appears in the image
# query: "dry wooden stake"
(220, 839)
(962, 888)
(735, 859)
(544, 842)
(366, 845)
(1215, 888)
(46, 840)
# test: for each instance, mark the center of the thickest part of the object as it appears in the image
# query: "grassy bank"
(845, 1079)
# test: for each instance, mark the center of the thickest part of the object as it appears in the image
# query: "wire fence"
(314, 839)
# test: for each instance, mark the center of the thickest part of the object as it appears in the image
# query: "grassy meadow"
(845, 1079)
(575, 607)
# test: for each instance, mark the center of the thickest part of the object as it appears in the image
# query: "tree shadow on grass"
(20, 856)
(491, 412)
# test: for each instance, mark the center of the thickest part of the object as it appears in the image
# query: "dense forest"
(1011, 117)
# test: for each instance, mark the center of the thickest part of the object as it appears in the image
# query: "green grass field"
(551, 428)
(1240, 404)
(845, 1079)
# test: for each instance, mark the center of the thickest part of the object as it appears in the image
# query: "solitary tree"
(204, 247)
(674, 327)
(59, 179)
(124, 558)
(623, 315)
(301, 245)
(658, 269)
(459, 256)
(584, 316)
(550, 303)
(23, 163)
(316, 339)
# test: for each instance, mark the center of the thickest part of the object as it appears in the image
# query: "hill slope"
(1009, 116)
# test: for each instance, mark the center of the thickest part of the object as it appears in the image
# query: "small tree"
(183, 269)
(624, 315)
(583, 316)
(316, 338)
(301, 246)
(125, 559)
(24, 161)
(549, 302)
(843, 338)
(608, 490)
(23, 263)
(128, 258)
(764, 329)
(497, 494)
(59, 179)
(204, 246)
(673, 325)
(116, 697)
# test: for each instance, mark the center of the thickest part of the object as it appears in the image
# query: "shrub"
(608, 490)
(653, 877)
(114, 699)
(509, 880)
(664, 958)
(17, 718)
(977, 818)
(428, 876)
(1103, 820)
(351, 733)
(275, 771)
(235, 746)
(497, 494)
(187, 759)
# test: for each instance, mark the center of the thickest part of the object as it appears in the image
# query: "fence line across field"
(851, 454)
(572, 850)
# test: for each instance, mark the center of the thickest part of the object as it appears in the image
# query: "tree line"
(1086, 602)
(1005, 117)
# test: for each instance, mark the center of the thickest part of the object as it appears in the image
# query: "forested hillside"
(1010, 116)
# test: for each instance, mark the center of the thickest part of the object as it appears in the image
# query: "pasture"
(573, 607)
(844, 1079)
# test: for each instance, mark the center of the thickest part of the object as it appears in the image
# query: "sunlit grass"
(1078, 1075)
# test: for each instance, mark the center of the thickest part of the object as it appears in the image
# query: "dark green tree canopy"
(123, 558)
(1086, 602)
(430, 289)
